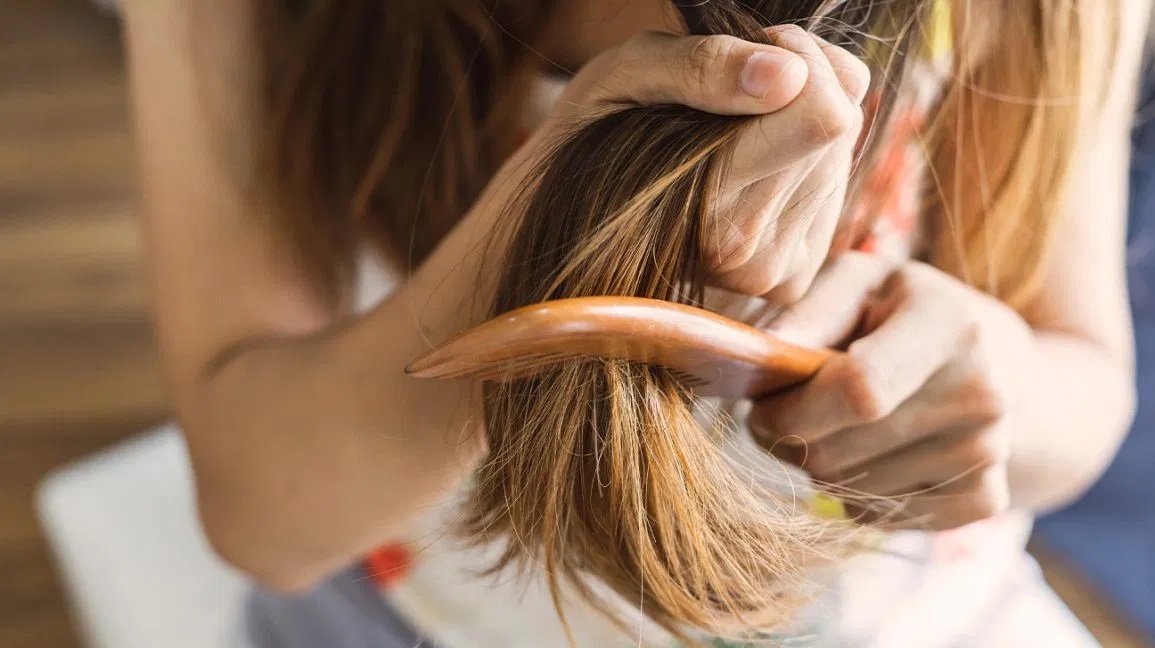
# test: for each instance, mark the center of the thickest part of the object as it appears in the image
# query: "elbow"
(257, 554)
(240, 510)
(1118, 417)
(1087, 466)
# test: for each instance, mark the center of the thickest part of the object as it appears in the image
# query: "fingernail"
(763, 70)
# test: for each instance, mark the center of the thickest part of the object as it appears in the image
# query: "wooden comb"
(714, 355)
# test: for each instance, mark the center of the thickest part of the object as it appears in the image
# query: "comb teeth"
(532, 363)
(496, 369)
(521, 366)
(689, 380)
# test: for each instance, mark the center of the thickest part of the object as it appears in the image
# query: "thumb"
(717, 74)
(831, 311)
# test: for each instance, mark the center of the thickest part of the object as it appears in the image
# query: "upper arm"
(219, 275)
(1085, 287)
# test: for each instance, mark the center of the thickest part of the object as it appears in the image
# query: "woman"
(312, 449)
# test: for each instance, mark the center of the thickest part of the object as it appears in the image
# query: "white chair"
(130, 550)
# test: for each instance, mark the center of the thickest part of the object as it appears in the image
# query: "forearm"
(1080, 385)
(310, 451)
(1077, 400)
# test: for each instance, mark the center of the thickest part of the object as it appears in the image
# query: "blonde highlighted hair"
(605, 471)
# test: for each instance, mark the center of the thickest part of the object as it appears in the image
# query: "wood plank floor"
(77, 366)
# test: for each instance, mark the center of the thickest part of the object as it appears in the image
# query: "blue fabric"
(1110, 534)
(345, 611)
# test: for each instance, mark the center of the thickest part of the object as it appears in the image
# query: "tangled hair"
(387, 119)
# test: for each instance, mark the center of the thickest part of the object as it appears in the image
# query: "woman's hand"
(920, 407)
(785, 190)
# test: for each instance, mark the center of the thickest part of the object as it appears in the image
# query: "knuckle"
(788, 292)
(854, 72)
(706, 60)
(984, 449)
(755, 280)
(733, 255)
(970, 333)
(735, 252)
(990, 500)
(827, 126)
(902, 280)
(788, 31)
(986, 401)
(818, 461)
(743, 236)
(858, 70)
(897, 284)
(762, 420)
(833, 118)
(858, 385)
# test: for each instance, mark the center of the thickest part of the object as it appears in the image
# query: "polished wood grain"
(715, 355)
(78, 369)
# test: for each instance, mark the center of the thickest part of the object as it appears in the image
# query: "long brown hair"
(386, 123)
(385, 120)
(614, 470)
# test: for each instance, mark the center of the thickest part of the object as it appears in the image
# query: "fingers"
(922, 328)
(852, 72)
(788, 178)
(843, 453)
(825, 112)
(718, 74)
(764, 224)
(822, 86)
(911, 331)
(977, 495)
(813, 252)
(833, 307)
(933, 464)
(935, 460)
(780, 228)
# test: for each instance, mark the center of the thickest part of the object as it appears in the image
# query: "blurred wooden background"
(77, 366)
